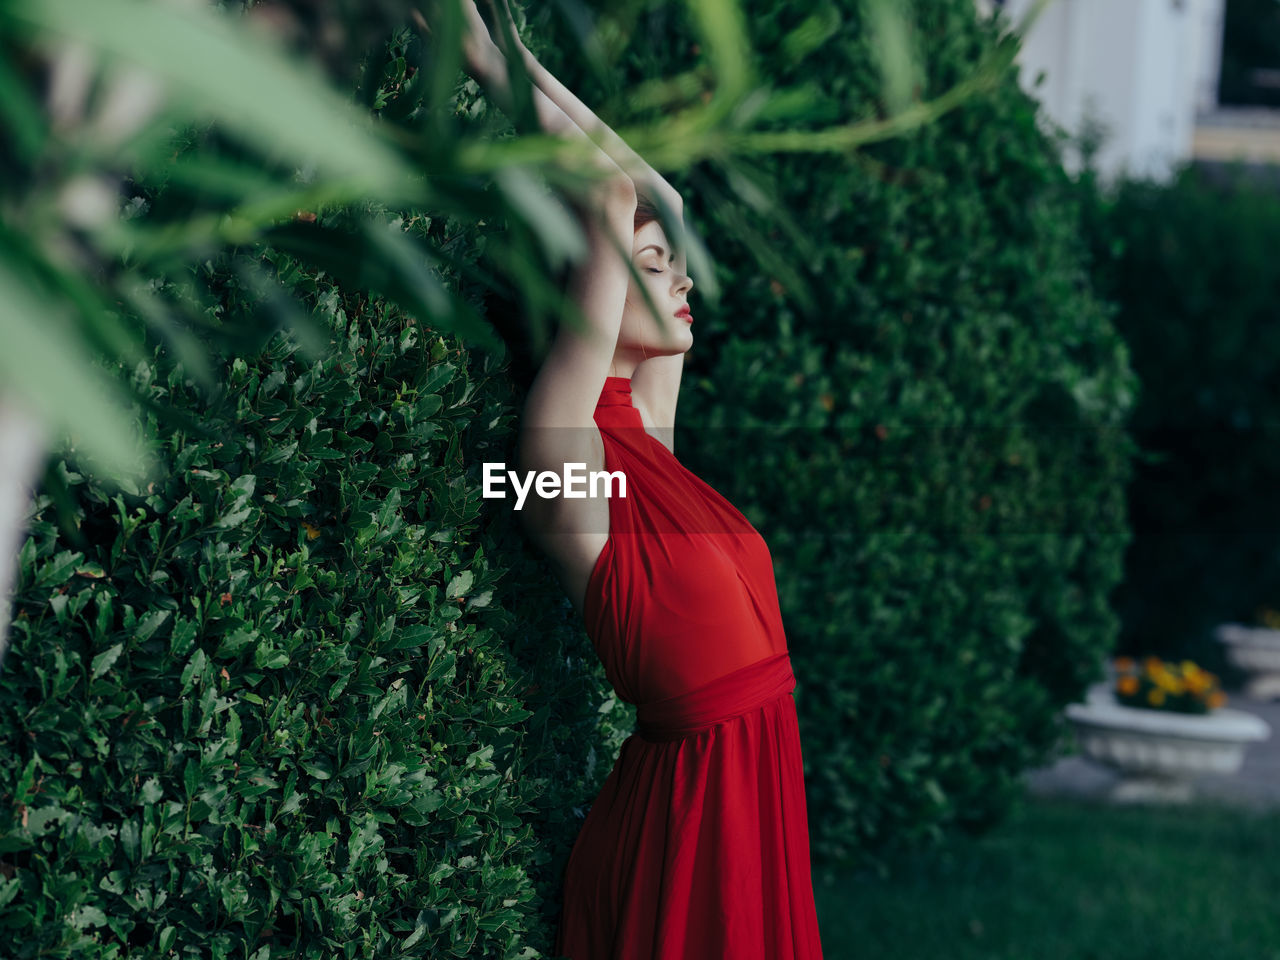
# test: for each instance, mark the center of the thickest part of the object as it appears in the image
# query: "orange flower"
(1217, 699)
(1124, 664)
(1128, 685)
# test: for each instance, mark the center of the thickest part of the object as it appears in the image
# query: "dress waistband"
(716, 701)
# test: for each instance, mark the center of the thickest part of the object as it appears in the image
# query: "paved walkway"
(1257, 785)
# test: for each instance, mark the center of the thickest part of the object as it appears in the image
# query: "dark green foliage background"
(934, 449)
(1192, 267)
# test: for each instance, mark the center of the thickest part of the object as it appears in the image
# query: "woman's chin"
(668, 349)
(676, 349)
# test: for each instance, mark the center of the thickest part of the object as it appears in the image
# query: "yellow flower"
(1155, 696)
(1166, 681)
(1128, 685)
(312, 530)
(1198, 683)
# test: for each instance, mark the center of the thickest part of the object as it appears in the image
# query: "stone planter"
(1159, 754)
(1256, 650)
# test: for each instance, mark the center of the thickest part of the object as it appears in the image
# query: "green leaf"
(889, 43)
(151, 790)
(560, 235)
(45, 365)
(182, 638)
(321, 768)
(59, 570)
(8, 890)
(815, 30)
(723, 31)
(217, 67)
(88, 916)
(234, 518)
(460, 585)
(437, 376)
(269, 659)
(194, 669)
(236, 641)
(103, 661)
(150, 623)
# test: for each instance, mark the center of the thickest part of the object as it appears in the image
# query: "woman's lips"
(685, 315)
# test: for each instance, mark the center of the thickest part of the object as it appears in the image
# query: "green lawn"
(1070, 880)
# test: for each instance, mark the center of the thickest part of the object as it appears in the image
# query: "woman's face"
(641, 335)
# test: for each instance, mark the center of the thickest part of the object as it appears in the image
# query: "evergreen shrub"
(286, 701)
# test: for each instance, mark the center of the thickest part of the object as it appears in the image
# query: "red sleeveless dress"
(697, 847)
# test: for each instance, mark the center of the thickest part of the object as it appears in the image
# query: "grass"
(1073, 880)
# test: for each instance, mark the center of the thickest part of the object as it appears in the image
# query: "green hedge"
(935, 432)
(1192, 267)
(281, 703)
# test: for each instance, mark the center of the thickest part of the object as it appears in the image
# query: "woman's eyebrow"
(656, 246)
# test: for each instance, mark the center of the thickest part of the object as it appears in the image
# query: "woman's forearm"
(551, 118)
(647, 180)
(488, 67)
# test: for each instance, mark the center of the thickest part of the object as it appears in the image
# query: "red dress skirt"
(697, 847)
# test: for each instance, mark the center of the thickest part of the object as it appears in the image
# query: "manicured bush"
(931, 403)
(1191, 266)
(282, 702)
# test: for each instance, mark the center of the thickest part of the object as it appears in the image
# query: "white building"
(1146, 71)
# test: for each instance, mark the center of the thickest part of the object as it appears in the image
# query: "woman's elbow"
(617, 194)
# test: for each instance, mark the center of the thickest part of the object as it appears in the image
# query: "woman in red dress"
(697, 847)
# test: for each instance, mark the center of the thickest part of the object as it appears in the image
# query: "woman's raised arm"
(656, 382)
(568, 385)
(647, 180)
(558, 426)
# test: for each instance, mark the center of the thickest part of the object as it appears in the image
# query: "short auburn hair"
(646, 212)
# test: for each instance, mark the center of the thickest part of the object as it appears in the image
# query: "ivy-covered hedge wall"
(293, 699)
(932, 405)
